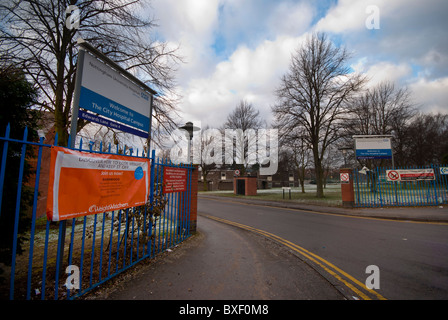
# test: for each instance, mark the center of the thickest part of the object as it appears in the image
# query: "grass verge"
(332, 195)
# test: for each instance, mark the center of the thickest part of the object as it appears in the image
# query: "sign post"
(103, 87)
(110, 95)
(347, 190)
(286, 188)
(374, 147)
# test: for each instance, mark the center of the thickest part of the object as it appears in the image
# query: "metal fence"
(383, 186)
(40, 258)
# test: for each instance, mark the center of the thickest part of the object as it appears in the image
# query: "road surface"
(411, 257)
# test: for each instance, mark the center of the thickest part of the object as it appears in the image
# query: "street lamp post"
(190, 129)
(344, 153)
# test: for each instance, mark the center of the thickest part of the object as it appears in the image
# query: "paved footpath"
(221, 262)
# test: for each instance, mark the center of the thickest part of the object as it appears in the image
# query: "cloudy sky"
(238, 49)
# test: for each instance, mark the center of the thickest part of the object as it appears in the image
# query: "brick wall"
(250, 188)
(347, 190)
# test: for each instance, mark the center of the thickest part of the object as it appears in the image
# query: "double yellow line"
(353, 284)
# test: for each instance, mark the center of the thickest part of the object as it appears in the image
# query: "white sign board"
(106, 92)
(373, 148)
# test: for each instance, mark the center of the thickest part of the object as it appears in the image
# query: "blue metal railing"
(374, 189)
(100, 246)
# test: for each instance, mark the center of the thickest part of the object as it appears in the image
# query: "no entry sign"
(345, 177)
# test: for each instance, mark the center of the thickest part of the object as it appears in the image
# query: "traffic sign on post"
(347, 191)
(345, 177)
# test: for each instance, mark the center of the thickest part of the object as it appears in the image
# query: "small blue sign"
(138, 173)
(111, 124)
(374, 154)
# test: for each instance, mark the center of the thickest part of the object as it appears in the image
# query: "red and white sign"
(174, 180)
(345, 177)
(83, 183)
(410, 175)
(392, 175)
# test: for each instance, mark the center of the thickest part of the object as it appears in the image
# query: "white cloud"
(248, 74)
(431, 95)
(190, 23)
(290, 19)
(261, 35)
(345, 16)
(178, 19)
(383, 71)
(258, 37)
(351, 15)
(411, 31)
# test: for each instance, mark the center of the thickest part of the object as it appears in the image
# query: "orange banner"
(84, 183)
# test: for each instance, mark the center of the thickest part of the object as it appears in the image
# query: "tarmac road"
(408, 246)
(225, 262)
(221, 262)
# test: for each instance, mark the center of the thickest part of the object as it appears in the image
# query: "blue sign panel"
(111, 124)
(374, 154)
(97, 103)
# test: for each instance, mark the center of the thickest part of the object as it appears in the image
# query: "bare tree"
(207, 152)
(313, 95)
(381, 110)
(425, 140)
(243, 120)
(35, 36)
(295, 144)
(244, 117)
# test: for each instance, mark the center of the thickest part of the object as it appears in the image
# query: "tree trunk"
(319, 182)
(302, 178)
(318, 172)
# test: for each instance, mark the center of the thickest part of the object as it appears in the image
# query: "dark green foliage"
(17, 97)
